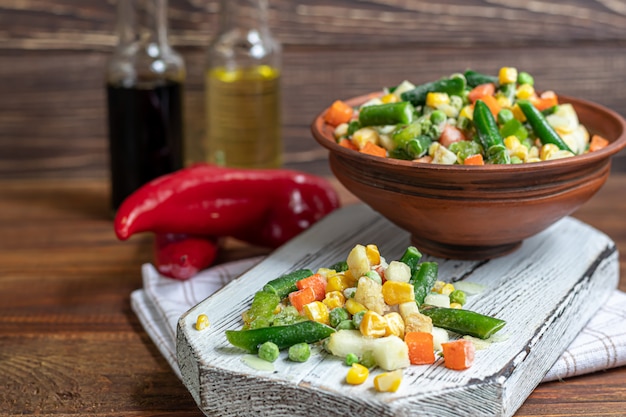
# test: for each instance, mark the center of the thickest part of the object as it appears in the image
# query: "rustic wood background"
(53, 52)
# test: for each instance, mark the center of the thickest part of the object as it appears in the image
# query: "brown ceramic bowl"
(476, 212)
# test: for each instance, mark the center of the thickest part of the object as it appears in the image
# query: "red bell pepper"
(182, 256)
(265, 207)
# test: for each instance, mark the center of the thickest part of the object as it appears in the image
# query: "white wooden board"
(546, 291)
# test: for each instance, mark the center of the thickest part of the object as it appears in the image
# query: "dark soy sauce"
(145, 135)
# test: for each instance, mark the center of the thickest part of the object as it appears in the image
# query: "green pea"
(357, 318)
(438, 117)
(458, 296)
(351, 359)
(346, 325)
(268, 351)
(300, 352)
(525, 78)
(337, 315)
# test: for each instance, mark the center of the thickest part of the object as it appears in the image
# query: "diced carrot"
(347, 143)
(546, 100)
(421, 347)
(476, 159)
(300, 298)
(426, 159)
(493, 104)
(339, 112)
(451, 134)
(317, 282)
(458, 354)
(373, 149)
(480, 91)
(597, 143)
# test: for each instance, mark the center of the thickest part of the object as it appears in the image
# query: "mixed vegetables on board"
(369, 312)
(467, 118)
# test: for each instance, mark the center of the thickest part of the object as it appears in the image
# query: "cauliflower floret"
(417, 322)
(369, 293)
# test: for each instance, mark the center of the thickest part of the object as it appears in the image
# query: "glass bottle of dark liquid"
(144, 81)
(242, 86)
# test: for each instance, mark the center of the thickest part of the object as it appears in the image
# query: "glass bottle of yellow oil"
(242, 86)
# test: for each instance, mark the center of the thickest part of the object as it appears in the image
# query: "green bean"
(464, 322)
(283, 336)
(476, 78)
(262, 309)
(340, 266)
(285, 284)
(489, 135)
(423, 280)
(386, 114)
(411, 257)
(540, 125)
(452, 86)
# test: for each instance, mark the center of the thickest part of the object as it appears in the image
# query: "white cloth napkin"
(161, 302)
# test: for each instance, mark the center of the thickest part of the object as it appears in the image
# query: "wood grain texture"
(52, 57)
(70, 344)
(544, 301)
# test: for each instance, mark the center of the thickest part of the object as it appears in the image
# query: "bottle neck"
(245, 15)
(142, 22)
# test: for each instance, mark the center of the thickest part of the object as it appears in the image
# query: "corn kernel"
(547, 150)
(278, 308)
(518, 113)
(395, 324)
(338, 282)
(456, 305)
(390, 98)
(503, 101)
(520, 151)
(437, 99)
(397, 292)
(373, 254)
(511, 142)
(326, 272)
(354, 307)
(364, 135)
(388, 381)
(447, 289)
(533, 152)
(467, 112)
(373, 324)
(525, 91)
(316, 311)
(438, 286)
(202, 322)
(357, 374)
(507, 75)
(334, 299)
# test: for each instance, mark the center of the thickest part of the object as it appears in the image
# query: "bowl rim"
(614, 146)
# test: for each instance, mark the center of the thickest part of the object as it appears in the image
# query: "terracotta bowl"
(476, 212)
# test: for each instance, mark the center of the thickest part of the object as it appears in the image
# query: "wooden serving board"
(546, 291)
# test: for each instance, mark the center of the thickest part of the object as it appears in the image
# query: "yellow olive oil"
(243, 117)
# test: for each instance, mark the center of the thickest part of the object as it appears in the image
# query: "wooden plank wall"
(53, 52)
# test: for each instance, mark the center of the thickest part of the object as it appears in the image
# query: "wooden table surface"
(71, 345)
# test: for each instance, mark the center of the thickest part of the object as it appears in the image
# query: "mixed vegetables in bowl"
(467, 118)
